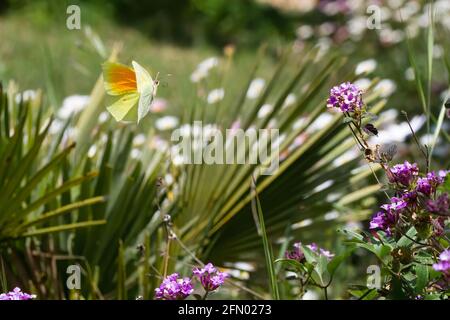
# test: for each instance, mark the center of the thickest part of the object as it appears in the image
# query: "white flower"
(366, 66)
(300, 122)
(92, 151)
(333, 196)
(166, 123)
(390, 36)
(332, 215)
(321, 122)
(428, 139)
(444, 95)
(72, 105)
(389, 115)
(363, 83)
(346, 157)
(158, 105)
(255, 88)
(103, 117)
(305, 32)
(168, 179)
(326, 29)
(323, 186)
(409, 74)
(208, 63)
(27, 95)
(265, 110)
(302, 224)
(395, 4)
(158, 143)
(290, 100)
(198, 75)
(398, 132)
(139, 140)
(56, 126)
(438, 51)
(135, 153)
(385, 87)
(215, 95)
(203, 69)
(357, 26)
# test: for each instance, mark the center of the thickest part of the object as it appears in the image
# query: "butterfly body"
(136, 87)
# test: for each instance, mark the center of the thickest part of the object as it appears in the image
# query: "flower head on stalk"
(174, 288)
(443, 265)
(346, 96)
(210, 277)
(439, 206)
(298, 254)
(427, 185)
(403, 173)
(16, 294)
(388, 216)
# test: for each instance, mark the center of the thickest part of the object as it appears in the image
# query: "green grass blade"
(268, 253)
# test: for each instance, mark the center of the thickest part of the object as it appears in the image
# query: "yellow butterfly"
(135, 85)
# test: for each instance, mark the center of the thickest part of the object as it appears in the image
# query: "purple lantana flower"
(327, 254)
(403, 173)
(440, 205)
(427, 185)
(410, 197)
(313, 246)
(174, 288)
(347, 97)
(16, 294)
(388, 216)
(379, 221)
(296, 253)
(396, 205)
(210, 277)
(443, 264)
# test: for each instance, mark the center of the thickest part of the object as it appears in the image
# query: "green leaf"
(422, 277)
(291, 263)
(267, 247)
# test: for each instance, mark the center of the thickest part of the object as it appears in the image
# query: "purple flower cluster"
(16, 294)
(210, 277)
(387, 217)
(414, 194)
(347, 97)
(441, 205)
(443, 264)
(297, 252)
(403, 174)
(427, 185)
(174, 288)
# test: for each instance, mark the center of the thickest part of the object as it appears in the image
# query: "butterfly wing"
(146, 88)
(119, 79)
(123, 109)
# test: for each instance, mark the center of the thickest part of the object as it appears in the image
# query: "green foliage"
(32, 194)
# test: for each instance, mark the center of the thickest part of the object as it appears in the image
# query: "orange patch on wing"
(119, 79)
